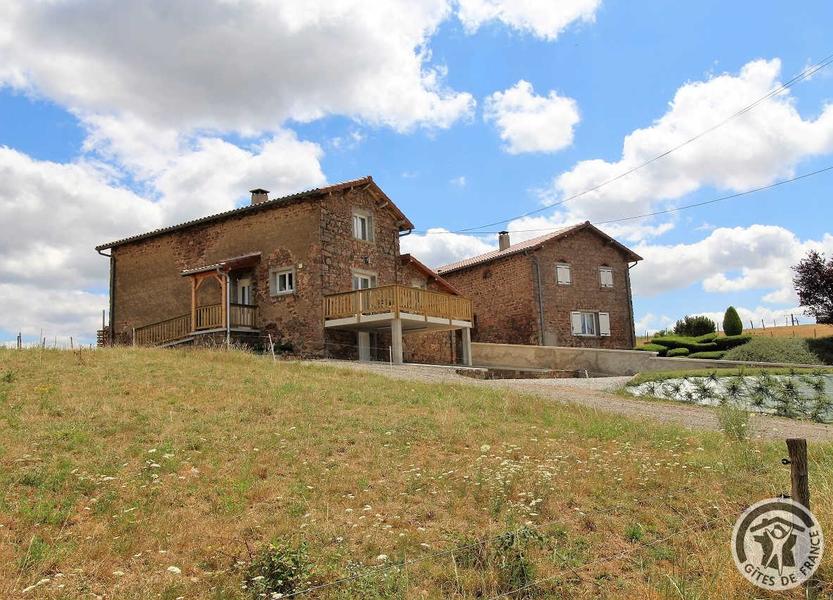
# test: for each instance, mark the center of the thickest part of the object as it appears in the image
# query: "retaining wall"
(596, 361)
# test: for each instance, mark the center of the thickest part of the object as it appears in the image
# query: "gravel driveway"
(596, 393)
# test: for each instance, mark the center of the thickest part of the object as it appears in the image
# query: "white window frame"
(563, 268)
(290, 276)
(609, 271)
(586, 323)
(362, 225)
(359, 276)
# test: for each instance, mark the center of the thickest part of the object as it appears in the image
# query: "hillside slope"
(151, 473)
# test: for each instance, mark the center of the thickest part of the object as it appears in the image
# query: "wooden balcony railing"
(208, 317)
(163, 331)
(397, 299)
(243, 315)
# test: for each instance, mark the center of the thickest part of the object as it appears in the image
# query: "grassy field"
(164, 474)
(798, 331)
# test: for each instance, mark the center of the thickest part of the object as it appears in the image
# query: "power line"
(664, 211)
(805, 74)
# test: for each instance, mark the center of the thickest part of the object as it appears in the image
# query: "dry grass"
(116, 465)
(797, 331)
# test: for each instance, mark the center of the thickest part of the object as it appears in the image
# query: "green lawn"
(130, 473)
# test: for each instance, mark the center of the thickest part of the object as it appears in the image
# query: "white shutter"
(606, 277)
(562, 274)
(604, 324)
(575, 320)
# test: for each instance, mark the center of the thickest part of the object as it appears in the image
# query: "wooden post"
(271, 347)
(797, 449)
(193, 303)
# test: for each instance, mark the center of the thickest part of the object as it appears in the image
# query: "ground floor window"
(589, 323)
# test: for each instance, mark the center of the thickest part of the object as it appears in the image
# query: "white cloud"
(755, 149)
(530, 123)
(33, 310)
(459, 182)
(727, 261)
(545, 20)
(241, 66)
(438, 247)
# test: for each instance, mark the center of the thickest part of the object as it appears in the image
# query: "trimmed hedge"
(731, 341)
(677, 352)
(713, 355)
(709, 337)
(653, 348)
(778, 350)
(732, 325)
(691, 344)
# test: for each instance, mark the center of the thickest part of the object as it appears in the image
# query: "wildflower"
(174, 570)
(382, 558)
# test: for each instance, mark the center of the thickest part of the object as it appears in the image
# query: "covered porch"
(221, 303)
(400, 310)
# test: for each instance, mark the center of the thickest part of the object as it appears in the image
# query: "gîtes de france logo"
(777, 544)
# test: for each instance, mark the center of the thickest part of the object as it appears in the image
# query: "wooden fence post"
(800, 492)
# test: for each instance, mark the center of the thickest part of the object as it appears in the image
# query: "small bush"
(708, 337)
(689, 343)
(712, 355)
(732, 325)
(278, 570)
(731, 341)
(678, 352)
(694, 326)
(734, 422)
(774, 350)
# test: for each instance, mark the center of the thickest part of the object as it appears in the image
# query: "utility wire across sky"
(803, 75)
(658, 212)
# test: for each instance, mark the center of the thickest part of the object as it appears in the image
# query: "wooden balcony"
(414, 306)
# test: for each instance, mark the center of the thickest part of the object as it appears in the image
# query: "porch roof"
(226, 264)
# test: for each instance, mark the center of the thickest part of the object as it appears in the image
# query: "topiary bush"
(653, 348)
(690, 343)
(732, 325)
(694, 326)
(678, 352)
(711, 355)
(775, 350)
(731, 341)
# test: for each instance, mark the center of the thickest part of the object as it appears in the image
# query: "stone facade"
(428, 347)
(505, 292)
(313, 235)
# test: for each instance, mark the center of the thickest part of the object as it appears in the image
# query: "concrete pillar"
(396, 341)
(466, 346)
(364, 346)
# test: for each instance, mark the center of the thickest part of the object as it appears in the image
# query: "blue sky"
(464, 112)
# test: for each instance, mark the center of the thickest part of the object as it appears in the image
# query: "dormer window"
(362, 225)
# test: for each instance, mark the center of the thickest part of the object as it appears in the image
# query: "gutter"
(111, 334)
(630, 304)
(539, 294)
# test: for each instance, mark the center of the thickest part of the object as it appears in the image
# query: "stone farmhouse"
(318, 273)
(570, 287)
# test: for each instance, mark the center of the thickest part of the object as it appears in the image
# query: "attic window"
(606, 277)
(362, 225)
(563, 276)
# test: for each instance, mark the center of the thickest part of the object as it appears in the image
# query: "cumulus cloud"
(439, 247)
(728, 260)
(531, 123)
(545, 20)
(755, 149)
(233, 66)
(34, 310)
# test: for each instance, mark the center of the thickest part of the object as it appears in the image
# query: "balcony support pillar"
(467, 346)
(364, 346)
(397, 356)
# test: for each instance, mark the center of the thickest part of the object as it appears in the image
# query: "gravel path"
(595, 393)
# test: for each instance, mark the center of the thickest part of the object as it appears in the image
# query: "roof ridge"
(239, 209)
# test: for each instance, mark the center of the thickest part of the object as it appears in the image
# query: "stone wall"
(427, 347)
(503, 300)
(504, 294)
(314, 236)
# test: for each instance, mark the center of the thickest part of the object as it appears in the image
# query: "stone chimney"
(503, 240)
(259, 195)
